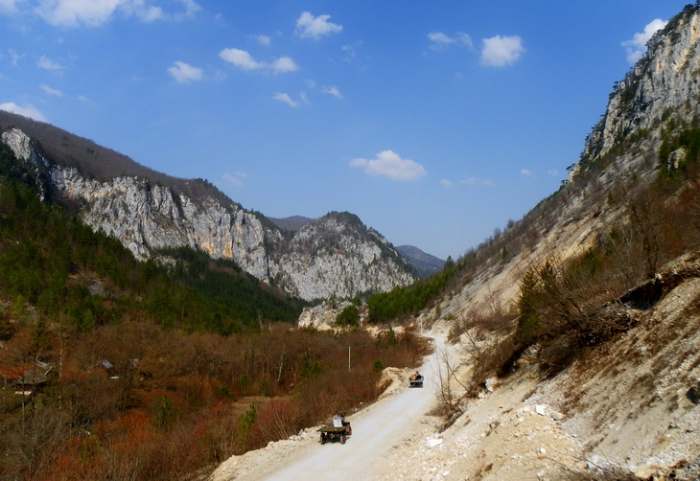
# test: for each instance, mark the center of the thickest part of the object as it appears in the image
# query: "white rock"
(433, 441)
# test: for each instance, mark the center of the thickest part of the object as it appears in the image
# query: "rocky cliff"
(665, 83)
(334, 256)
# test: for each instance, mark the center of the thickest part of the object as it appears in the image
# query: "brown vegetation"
(170, 403)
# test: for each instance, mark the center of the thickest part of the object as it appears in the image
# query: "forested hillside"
(50, 260)
(113, 369)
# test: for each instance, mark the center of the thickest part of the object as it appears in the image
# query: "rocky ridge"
(334, 256)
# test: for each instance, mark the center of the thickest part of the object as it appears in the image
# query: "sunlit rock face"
(665, 82)
(334, 256)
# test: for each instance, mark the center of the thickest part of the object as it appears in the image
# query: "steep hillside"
(425, 264)
(148, 211)
(646, 134)
(578, 324)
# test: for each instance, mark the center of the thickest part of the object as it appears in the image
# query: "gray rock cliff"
(334, 256)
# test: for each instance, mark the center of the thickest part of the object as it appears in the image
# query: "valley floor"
(625, 405)
(399, 416)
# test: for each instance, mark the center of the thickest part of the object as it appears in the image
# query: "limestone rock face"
(334, 256)
(664, 82)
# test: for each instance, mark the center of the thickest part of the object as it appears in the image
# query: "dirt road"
(375, 431)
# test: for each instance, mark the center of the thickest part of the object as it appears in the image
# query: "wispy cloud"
(185, 73)
(45, 63)
(243, 60)
(333, 91)
(389, 164)
(636, 47)
(8, 7)
(264, 40)
(468, 182)
(526, 172)
(14, 56)
(285, 98)
(349, 52)
(48, 90)
(441, 40)
(309, 26)
(25, 110)
(500, 51)
(477, 181)
(191, 7)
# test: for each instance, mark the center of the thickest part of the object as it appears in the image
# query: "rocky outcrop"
(663, 82)
(321, 317)
(334, 256)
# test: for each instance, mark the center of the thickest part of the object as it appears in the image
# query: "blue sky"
(435, 121)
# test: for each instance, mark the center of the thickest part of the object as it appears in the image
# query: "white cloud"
(185, 73)
(309, 26)
(24, 110)
(390, 165)
(48, 90)
(284, 65)
(191, 7)
(553, 172)
(526, 172)
(500, 51)
(637, 46)
(70, 13)
(333, 91)
(286, 99)
(141, 10)
(93, 13)
(236, 179)
(440, 40)
(240, 59)
(8, 7)
(245, 61)
(45, 63)
(446, 183)
(264, 40)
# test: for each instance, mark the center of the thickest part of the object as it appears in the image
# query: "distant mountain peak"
(425, 264)
(292, 223)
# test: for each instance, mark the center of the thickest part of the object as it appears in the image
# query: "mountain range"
(336, 255)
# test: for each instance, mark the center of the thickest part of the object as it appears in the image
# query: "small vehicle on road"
(337, 431)
(416, 380)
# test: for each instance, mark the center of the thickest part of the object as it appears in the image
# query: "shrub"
(350, 316)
